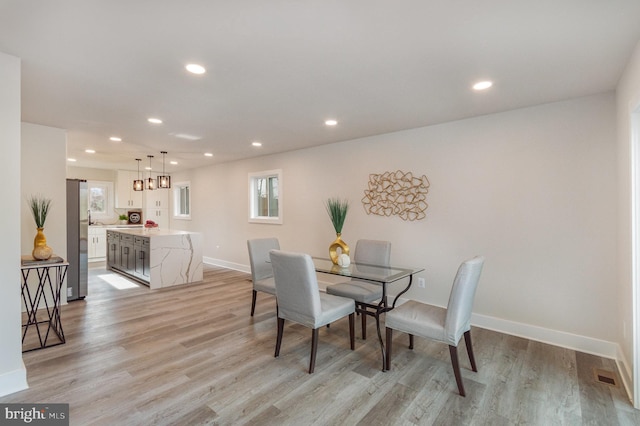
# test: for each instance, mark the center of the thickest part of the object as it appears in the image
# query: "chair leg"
(453, 351)
(352, 337)
(467, 341)
(253, 302)
(279, 338)
(388, 354)
(411, 341)
(364, 323)
(314, 349)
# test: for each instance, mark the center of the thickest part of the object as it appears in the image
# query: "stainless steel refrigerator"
(77, 237)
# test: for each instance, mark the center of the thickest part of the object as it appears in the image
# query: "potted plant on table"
(337, 210)
(124, 219)
(40, 209)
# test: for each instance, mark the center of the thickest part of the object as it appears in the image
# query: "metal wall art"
(400, 194)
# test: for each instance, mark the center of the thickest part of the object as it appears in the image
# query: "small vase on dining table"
(333, 249)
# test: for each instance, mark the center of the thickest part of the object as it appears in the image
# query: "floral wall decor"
(400, 194)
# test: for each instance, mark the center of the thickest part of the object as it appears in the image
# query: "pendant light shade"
(164, 181)
(150, 183)
(138, 184)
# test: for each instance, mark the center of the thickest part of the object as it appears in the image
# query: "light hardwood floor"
(193, 355)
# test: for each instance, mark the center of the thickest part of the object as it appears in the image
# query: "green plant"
(40, 209)
(123, 217)
(337, 210)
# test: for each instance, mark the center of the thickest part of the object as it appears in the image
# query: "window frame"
(107, 186)
(176, 188)
(253, 204)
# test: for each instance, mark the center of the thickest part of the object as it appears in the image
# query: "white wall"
(44, 172)
(534, 190)
(92, 174)
(628, 100)
(13, 376)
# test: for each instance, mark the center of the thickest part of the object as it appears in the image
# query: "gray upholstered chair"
(300, 301)
(261, 271)
(364, 292)
(440, 324)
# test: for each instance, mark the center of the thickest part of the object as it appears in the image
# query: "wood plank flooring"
(193, 355)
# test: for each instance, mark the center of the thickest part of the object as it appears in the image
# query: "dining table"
(375, 274)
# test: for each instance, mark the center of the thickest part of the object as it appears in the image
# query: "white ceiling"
(277, 69)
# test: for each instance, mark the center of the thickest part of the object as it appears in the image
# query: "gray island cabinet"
(156, 257)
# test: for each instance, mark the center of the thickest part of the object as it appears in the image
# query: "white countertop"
(152, 232)
(115, 225)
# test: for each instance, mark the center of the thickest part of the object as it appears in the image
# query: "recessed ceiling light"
(482, 85)
(148, 168)
(186, 136)
(331, 122)
(115, 139)
(173, 162)
(90, 151)
(72, 160)
(195, 68)
(154, 120)
(256, 143)
(208, 154)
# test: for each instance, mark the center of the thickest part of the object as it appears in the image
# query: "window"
(182, 200)
(265, 197)
(100, 199)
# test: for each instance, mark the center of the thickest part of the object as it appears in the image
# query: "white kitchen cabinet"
(159, 216)
(97, 244)
(126, 197)
(157, 199)
(156, 204)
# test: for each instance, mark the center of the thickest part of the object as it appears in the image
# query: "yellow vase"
(333, 249)
(41, 251)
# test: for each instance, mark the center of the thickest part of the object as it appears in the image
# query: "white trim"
(225, 264)
(562, 339)
(558, 338)
(110, 198)
(626, 373)
(175, 198)
(252, 198)
(13, 381)
(634, 129)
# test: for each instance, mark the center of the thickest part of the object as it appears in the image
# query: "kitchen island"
(156, 257)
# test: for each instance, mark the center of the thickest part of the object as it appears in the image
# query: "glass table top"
(382, 274)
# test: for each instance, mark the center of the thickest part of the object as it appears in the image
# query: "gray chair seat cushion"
(333, 307)
(419, 319)
(268, 285)
(360, 291)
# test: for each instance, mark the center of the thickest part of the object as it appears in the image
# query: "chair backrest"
(296, 287)
(458, 319)
(373, 252)
(259, 257)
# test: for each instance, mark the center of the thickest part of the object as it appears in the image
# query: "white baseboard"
(563, 339)
(626, 373)
(225, 264)
(13, 381)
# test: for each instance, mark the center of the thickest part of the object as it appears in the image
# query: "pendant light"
(164, 181)
(150, 183)
(138, 184)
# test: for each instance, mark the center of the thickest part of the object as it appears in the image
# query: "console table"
(43, 321)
